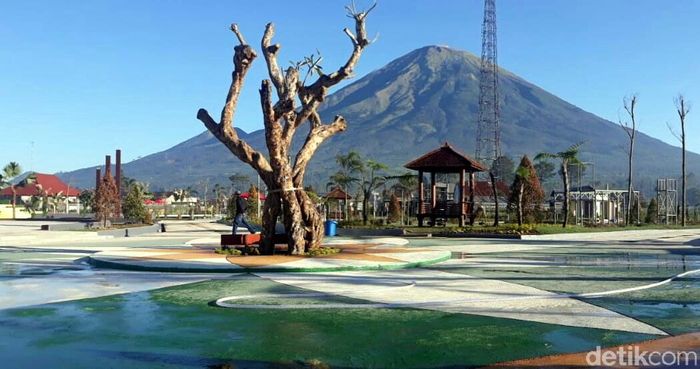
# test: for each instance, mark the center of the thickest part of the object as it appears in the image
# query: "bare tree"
(630, 128)
(567, 157)
(297, 103)
(682, 108)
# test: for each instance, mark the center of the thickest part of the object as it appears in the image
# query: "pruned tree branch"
(270, 53)
(674, 133)
(223, 130)
(239, 35)
(317, 135)
(630, 127)
(359, 40)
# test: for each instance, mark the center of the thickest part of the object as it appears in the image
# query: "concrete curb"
(131, 231)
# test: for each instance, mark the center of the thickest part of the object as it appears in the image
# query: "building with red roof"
(45, 186)
(41, 184)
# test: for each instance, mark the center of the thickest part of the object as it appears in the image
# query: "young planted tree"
(132, 206)
(106, 199)
(682, 108)
(86, 199)
(371, 180)
(494, 190)
(405, 183)
(567, 157)
(630, 128)
(252, 202)
(9, 172)
(526, 194)
(652, 212)
(297, 103)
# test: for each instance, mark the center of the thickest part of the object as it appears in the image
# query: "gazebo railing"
(444, 208)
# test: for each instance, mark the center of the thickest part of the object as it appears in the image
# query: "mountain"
(411, 106)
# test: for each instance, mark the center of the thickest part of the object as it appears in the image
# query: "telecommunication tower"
(488, 126)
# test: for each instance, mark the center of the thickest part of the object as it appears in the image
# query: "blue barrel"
(330, 227)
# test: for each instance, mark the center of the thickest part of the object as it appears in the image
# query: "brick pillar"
(108, 165)
(98, 177)
(118, 179)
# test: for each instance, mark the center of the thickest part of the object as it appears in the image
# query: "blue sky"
(80, 78)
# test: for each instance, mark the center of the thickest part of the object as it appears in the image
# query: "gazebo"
(445, 160)
(337, 194)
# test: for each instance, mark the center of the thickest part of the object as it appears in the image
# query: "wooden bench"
(248, 241)
(240, 239)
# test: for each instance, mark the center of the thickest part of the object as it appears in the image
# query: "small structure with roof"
(338, 196)
(592, 205)
(446, 160)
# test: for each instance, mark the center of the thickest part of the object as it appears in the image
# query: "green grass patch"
(178, 328)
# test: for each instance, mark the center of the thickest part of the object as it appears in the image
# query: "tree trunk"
(313, 223)
(365, 208)
(628, 216)
(565, 206)
(521, 189)
(271, 211)
(494, 190)
(345, 205)
(293, 224)
(472, 204)
(683, 179)
(14, 202)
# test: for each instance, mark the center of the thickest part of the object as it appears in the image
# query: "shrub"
(321, 251)
(227, 251)
(133, 208)
(652, 210)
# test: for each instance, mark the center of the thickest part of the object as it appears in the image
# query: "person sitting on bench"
(239, 219)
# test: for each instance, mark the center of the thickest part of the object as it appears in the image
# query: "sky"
(79, 79)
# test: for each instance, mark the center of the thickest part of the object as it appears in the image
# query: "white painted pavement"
(457, 293)
(73, 285)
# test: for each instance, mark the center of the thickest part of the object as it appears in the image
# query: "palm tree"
(9, 172)
(567, 157)
(522, 176)
(371, 180)
(350, 165)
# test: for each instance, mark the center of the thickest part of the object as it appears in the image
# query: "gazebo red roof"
(43, 182)
(338, 194)
(445, 160)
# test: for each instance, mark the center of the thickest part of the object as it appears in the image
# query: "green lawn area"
(178, 328)
(513, 229)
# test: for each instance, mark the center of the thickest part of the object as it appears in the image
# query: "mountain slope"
(411, 106)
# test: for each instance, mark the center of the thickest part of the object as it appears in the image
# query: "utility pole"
(488, 126)
(488, 136)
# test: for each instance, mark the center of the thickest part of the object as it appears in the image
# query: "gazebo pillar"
(462, 187)
(421, 197)
(471, 198)
(433, 200)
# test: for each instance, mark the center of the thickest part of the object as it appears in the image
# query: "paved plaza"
(456, 301)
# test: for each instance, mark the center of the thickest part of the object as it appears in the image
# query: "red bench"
(249, 239)
(240, 239)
